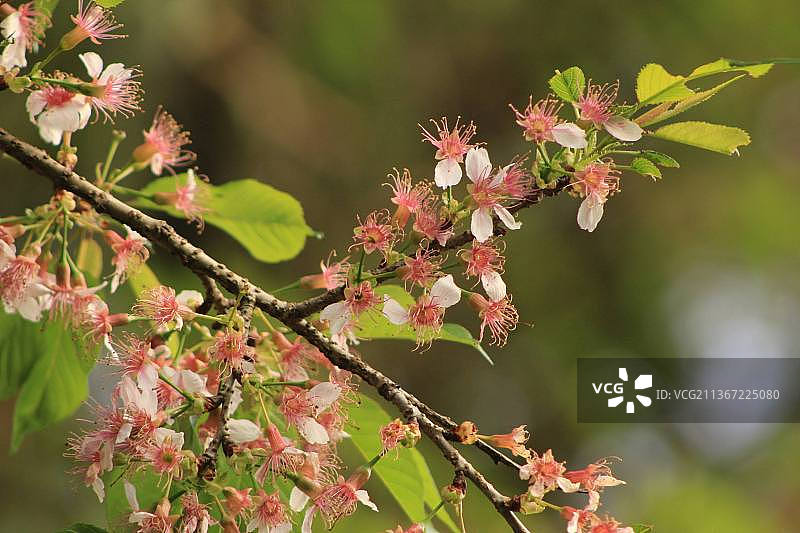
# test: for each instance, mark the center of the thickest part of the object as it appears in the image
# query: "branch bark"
(194, 258)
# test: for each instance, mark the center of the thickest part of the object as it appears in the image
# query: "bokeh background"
(321, 99)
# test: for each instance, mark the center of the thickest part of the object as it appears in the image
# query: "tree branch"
(203, 265)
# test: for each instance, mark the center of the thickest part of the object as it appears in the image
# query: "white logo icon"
(644, 381)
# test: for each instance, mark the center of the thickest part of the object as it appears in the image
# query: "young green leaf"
(90, 257)
(686, 103)
(117, 507)
(722, 65)
(568, 85)
(375, 325)
(45, 6)
(642, 528)
(143, 278)
(56, 384)
(722, 139)
(660, 159)
(405, 472)
(655, 85)
(267, 222)
(645, 167)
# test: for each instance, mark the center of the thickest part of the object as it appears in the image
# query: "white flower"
(14, 52)
(190, 298)
(56, 110)
(590, 212)
(479, 168)
(444, 293)
(494, 285)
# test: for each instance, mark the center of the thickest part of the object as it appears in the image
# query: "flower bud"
(452, 494)
(412, 436)
(529, 504)
(467, 432)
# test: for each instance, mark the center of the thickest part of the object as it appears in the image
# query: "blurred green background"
(321, 99)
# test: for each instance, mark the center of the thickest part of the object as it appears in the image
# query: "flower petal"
(478, 164)
(337, 316)
(481, 225)
(322, 395)
(241, 431)
(494, 286)
(396, 313)
(569, 135)
(507, 218)
(297, 500)
(445, 292)
(623, 129)
(447, 173)
(312, 431)
(363, 497)
(589, 214)
(93, 63)
(130, 495)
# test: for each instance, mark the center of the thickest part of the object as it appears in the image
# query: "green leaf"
(83, 528)
(660, 159)
(266, 221)
(655, 85)
(722, 65)
(18, 351)
(407, 477)
(116, 503)
(642, 528)
(141, 279)
(108, 3)
(56, 384)
(645, 167)
(687, 103)
(722, 139)
(568, 85)
(375, 325)
(90, 257)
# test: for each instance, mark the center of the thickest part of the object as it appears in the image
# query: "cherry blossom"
(596, 106)
(56, 110)
(20, 28)
(92, 22)
(544, 474)
(300, 407)
(163, 146)
(427, 313)
(451, 146)
(540, 123)
(487, 193)
(499, 316)
(339, 499)
(595, 184)
(115, 89)
(269, 515)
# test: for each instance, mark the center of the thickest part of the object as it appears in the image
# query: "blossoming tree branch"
(231, 403)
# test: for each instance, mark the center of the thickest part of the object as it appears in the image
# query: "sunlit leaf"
(662, 160)
(117, 507)
(655, 85)
(108, 3)
(269, 223)
(405, 473)
(687, 103)
(376, 326)
(568, 85)
(642, 528)
(714, 137)
(141, 279)
(723, 65)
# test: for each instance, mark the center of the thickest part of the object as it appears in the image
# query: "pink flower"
(56, 110)
(283, 457)
(595, 477)
(499, 316)
(407, 197)
(421, 269)
(160, 305)
(294, 356)
(195, 517)
(115, 87)
(92, 22)
(333, 275)
(163, 146)
(269, 515)
(488, 194)
(300, 407)
(136, 359)
(20, 27)
(544, 474)
(450, 149)
(486, 262)
(375, 233)
(514, 441)
(426, 315)
(540, 123)
(430, 223)
(596, 106)
(594, 184)
(164, 453)
(357, 300)
(231, 349)
(17, 273)
(130, 253)
(609, 525)
(392, 434)
(339, 499)
(237, 500)
(516, 182)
